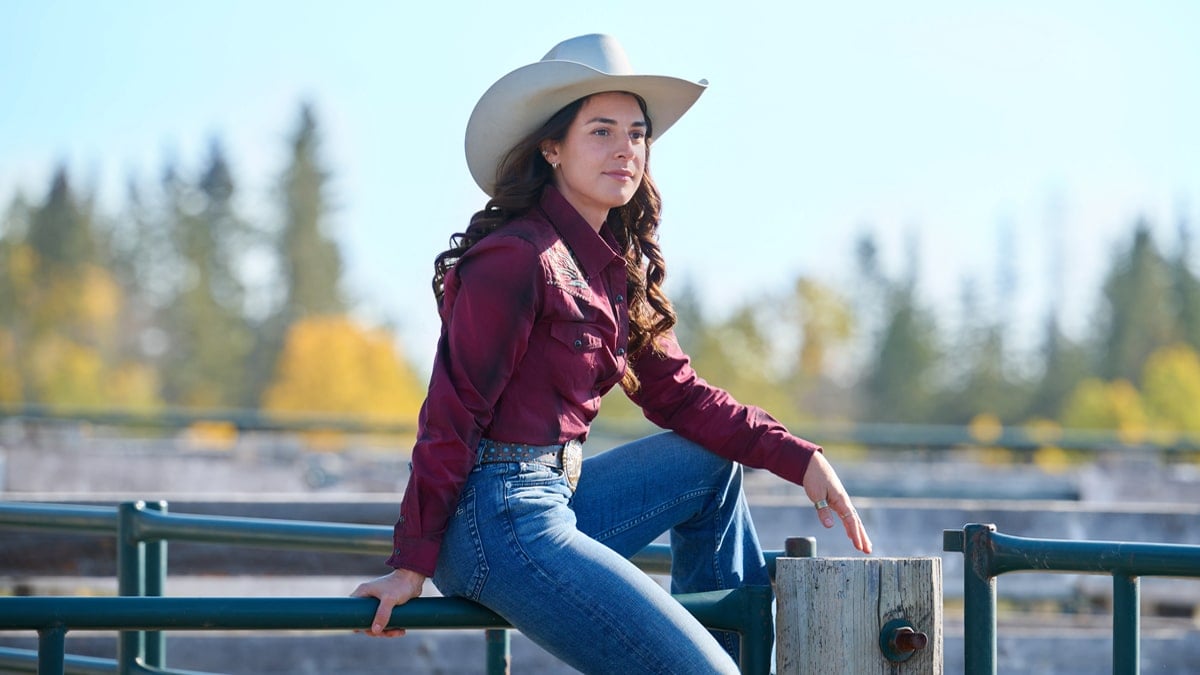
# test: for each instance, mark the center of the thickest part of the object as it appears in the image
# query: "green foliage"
(900, 381)
(208, 334)
(312, 266)
(1138, 319)
(154, 307)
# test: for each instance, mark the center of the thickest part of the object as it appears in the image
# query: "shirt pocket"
(577, 336)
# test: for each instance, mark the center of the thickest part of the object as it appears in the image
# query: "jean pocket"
(462, 567)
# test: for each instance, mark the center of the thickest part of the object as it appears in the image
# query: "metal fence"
(142, 530)
(988, 554)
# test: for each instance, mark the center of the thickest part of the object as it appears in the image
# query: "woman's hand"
(823, 487)
(392, 589)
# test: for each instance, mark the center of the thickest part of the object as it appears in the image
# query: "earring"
(554, 165)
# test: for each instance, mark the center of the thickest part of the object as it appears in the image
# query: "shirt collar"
(592, 251)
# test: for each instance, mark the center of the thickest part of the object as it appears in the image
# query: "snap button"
(620, 297)
(620, 351)
(578, 344)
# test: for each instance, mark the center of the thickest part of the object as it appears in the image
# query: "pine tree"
(899, 383)
(1139, 315)
(312, 264)
(207, 333)
(309, 260)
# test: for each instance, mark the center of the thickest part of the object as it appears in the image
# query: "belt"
(567, 456)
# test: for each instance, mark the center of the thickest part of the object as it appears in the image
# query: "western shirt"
(535, 326)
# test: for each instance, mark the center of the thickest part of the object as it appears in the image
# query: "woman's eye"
(637, 135)
(601, 132)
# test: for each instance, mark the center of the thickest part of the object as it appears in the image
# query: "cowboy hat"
(521, 101)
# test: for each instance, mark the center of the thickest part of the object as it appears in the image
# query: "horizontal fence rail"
(988, 554)
(875, 435)
(142, 530)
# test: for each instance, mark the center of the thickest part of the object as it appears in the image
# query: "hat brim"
(521, 101)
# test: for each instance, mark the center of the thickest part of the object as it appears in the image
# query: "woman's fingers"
(393, 589)
(832, 502)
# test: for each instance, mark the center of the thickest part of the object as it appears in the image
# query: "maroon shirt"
(534, 330)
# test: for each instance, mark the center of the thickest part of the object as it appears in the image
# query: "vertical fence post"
(52, 650)
(758, 630)
(1126, 624)
(155, 583)
(979, 600)
(498, 655)
(131, 581)
(859, 616)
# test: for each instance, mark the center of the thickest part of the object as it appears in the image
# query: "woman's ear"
(550, 152)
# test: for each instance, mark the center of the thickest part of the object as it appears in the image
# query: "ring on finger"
(846, 516)
(821, 505)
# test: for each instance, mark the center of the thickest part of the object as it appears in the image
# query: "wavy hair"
(521, 177)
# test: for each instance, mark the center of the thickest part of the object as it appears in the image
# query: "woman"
(550, 298)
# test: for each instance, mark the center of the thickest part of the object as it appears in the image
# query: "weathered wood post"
(859, 616)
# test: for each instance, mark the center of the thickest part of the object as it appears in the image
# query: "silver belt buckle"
(572, 462)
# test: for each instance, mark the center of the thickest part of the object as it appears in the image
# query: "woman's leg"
(630, 495)
(513, 545)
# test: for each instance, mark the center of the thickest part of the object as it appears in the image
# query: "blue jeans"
(555, 564)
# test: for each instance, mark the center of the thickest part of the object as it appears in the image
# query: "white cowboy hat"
(521, 101)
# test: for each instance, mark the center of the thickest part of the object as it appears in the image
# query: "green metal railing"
(142, 530)
(988, 554)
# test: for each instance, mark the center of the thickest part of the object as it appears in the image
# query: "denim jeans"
(554, 564)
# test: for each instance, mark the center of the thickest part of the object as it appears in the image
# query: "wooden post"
(832, 611)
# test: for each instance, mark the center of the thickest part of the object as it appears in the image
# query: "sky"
(1024, 134)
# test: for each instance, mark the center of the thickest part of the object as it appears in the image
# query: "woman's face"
(602, 157)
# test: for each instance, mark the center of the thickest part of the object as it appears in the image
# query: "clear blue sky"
(1062, 120)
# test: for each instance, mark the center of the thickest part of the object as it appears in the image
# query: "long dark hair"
(520, 179)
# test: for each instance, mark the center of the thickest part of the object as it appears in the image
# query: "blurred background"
(930, 215)
(952, 242)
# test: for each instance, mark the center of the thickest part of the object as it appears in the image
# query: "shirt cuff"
(418, 555)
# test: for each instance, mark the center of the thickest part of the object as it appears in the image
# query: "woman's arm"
(674, 397)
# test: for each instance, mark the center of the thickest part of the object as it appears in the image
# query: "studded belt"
(568, 456)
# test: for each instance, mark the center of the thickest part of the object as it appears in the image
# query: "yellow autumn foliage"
(1171, 389)
(10, 374)
(332, 366)
(1116, 405)
(66, 374)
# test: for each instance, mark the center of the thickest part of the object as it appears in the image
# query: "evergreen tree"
(309, 260)
(1065, 365)
(1139, 315)
(1185, 288)
(207, 333)
(312, 264)
(60, 232)
(899, 384)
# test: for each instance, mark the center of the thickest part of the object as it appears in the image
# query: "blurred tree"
(824, 320)
(309, 260)
(208, 337)
(1064, 366)
(1139, 316)
(1185, 289)
(1115, 405)
(60, 231)
(899, 385)
(331, 365)
(312, 265)
(979, 380)
(1171, 389)
(66, 326)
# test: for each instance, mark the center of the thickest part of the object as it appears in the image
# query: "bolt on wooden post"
(859, 616)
